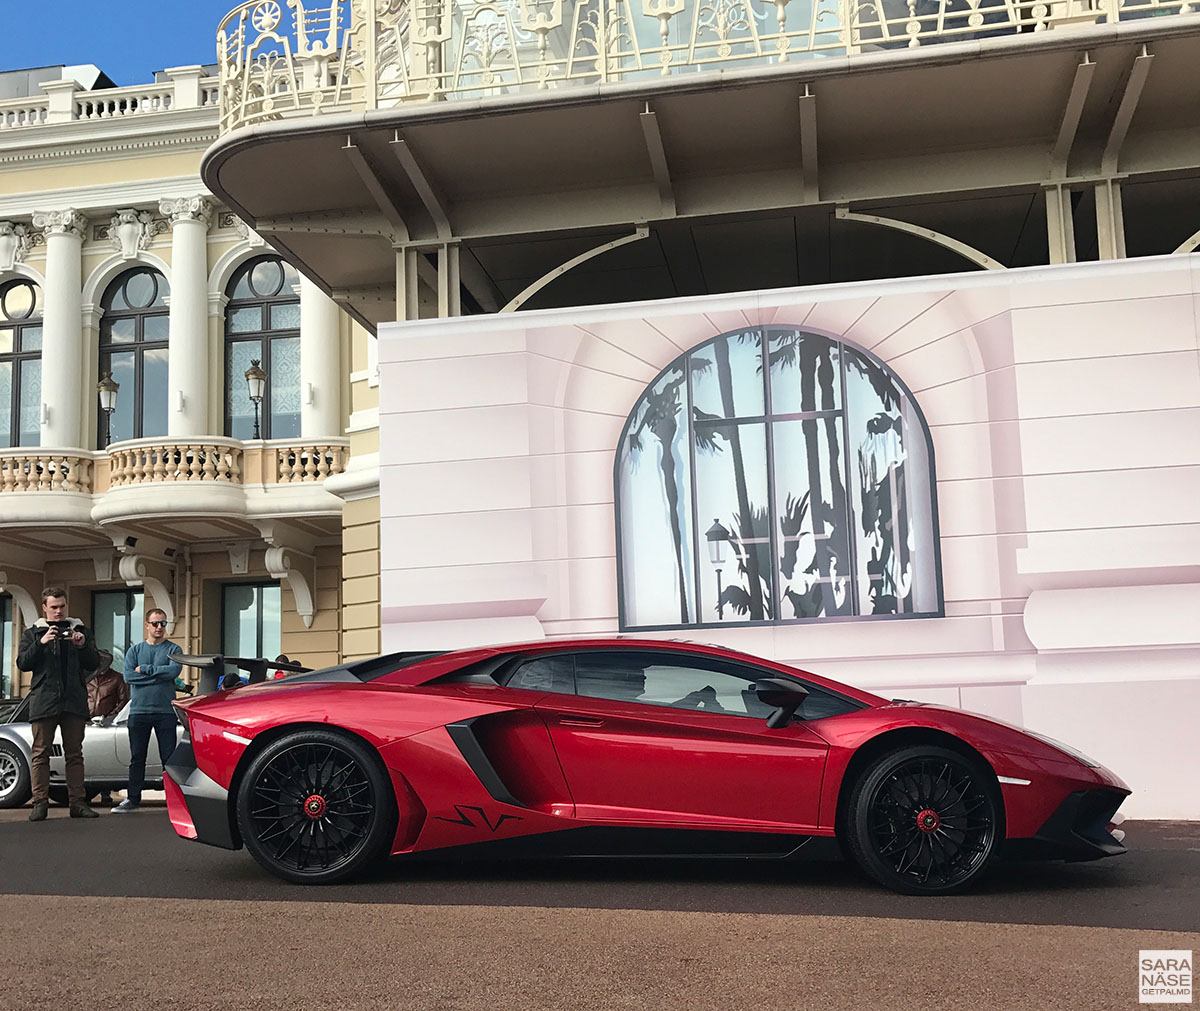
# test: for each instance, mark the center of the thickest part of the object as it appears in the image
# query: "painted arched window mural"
(262, 324)
(134, 329)
(773, 475)
(20, 364)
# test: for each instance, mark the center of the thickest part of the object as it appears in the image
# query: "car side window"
(545, 674)
(665, 680)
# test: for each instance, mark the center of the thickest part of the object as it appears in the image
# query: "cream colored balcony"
(45, 487)
(351, 55)
(176, 489)
(216, 477)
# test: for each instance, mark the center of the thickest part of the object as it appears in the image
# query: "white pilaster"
(187, 351)
(320, 364)
(63, 395)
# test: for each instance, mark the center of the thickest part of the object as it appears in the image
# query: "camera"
(61, 629)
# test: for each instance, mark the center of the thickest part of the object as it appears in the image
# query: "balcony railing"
(210, 460)
(147, 462)
(64, 102)
(346, 55)
(24, 470)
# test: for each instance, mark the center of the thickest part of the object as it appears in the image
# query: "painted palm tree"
(660, 417)
(813, 358)
(744, 520)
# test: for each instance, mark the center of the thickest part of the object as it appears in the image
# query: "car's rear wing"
(212, 667)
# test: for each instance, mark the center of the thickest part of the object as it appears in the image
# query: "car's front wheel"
(15, 787)
(316, 807)
(924, 820)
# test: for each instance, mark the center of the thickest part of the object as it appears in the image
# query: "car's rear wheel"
(60, 795)
(316, 807)
(15, 787)
(924, 820)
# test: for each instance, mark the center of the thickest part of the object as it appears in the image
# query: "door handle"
(580, 721)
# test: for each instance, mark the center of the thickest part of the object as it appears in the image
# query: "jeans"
(43, 738)
(164, 726)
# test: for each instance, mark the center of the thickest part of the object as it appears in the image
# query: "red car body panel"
(571, 761)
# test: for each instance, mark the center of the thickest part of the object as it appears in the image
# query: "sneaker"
(40, 810)
(81, 810)
(126, 806)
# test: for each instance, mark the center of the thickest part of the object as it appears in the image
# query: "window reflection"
(262, 322)
(134, 332)
(20, 364)
(775, 475)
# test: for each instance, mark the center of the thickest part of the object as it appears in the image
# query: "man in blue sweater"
(150, 673)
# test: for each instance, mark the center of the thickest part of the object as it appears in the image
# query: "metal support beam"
(1190, 245)
(844, 213)
(449, 295)
(1110, 220)
(1135, 80)
(324, 224)
(375, 186)
(808, 145)
(658, 160)
(406, 283)
(430, 197)
(641, 233)
(1060, 224)
(1060, 154)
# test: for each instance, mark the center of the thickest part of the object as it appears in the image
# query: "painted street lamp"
(717, 537)
(256, 381)
(107, 390)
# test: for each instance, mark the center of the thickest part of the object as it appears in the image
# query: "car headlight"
(1066, 749)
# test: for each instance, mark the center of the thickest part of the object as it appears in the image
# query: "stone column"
(187, 351)
(320, 364)
(62, 330)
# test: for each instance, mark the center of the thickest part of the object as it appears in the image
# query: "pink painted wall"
(1064, 408)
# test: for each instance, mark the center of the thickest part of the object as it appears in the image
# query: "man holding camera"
(60, 652)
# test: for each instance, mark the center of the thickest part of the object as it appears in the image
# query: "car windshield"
(14, 710)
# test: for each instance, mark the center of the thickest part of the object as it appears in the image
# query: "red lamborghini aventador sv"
(621, 747)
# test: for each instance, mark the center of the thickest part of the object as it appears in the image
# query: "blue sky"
(127, 39)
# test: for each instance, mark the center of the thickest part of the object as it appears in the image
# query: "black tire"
(315, 807)
(925, 820)
(15, 784)
(60, 795)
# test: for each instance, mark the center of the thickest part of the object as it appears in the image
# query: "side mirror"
(785, 697)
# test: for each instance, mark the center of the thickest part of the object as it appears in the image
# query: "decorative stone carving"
(14, 244)
(155, 577)
(129, 231)
(196, 208)
(249, 234)
(68, 222)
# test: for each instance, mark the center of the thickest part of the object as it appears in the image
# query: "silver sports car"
(105, 758)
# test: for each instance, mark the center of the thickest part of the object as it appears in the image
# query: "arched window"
(772, 475)
(20, 363)
(262, 323)
(133, 348)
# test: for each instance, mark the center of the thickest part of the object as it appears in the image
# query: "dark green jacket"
(60, 671)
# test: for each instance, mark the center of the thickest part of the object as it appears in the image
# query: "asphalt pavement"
(119, 912)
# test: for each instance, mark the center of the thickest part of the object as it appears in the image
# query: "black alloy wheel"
(316, 807)
(925, 820)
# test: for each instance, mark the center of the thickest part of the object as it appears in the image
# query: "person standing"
(107, 690)
(150, 673)
(59, 651)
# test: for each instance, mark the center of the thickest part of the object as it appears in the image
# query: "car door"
(680, 740)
